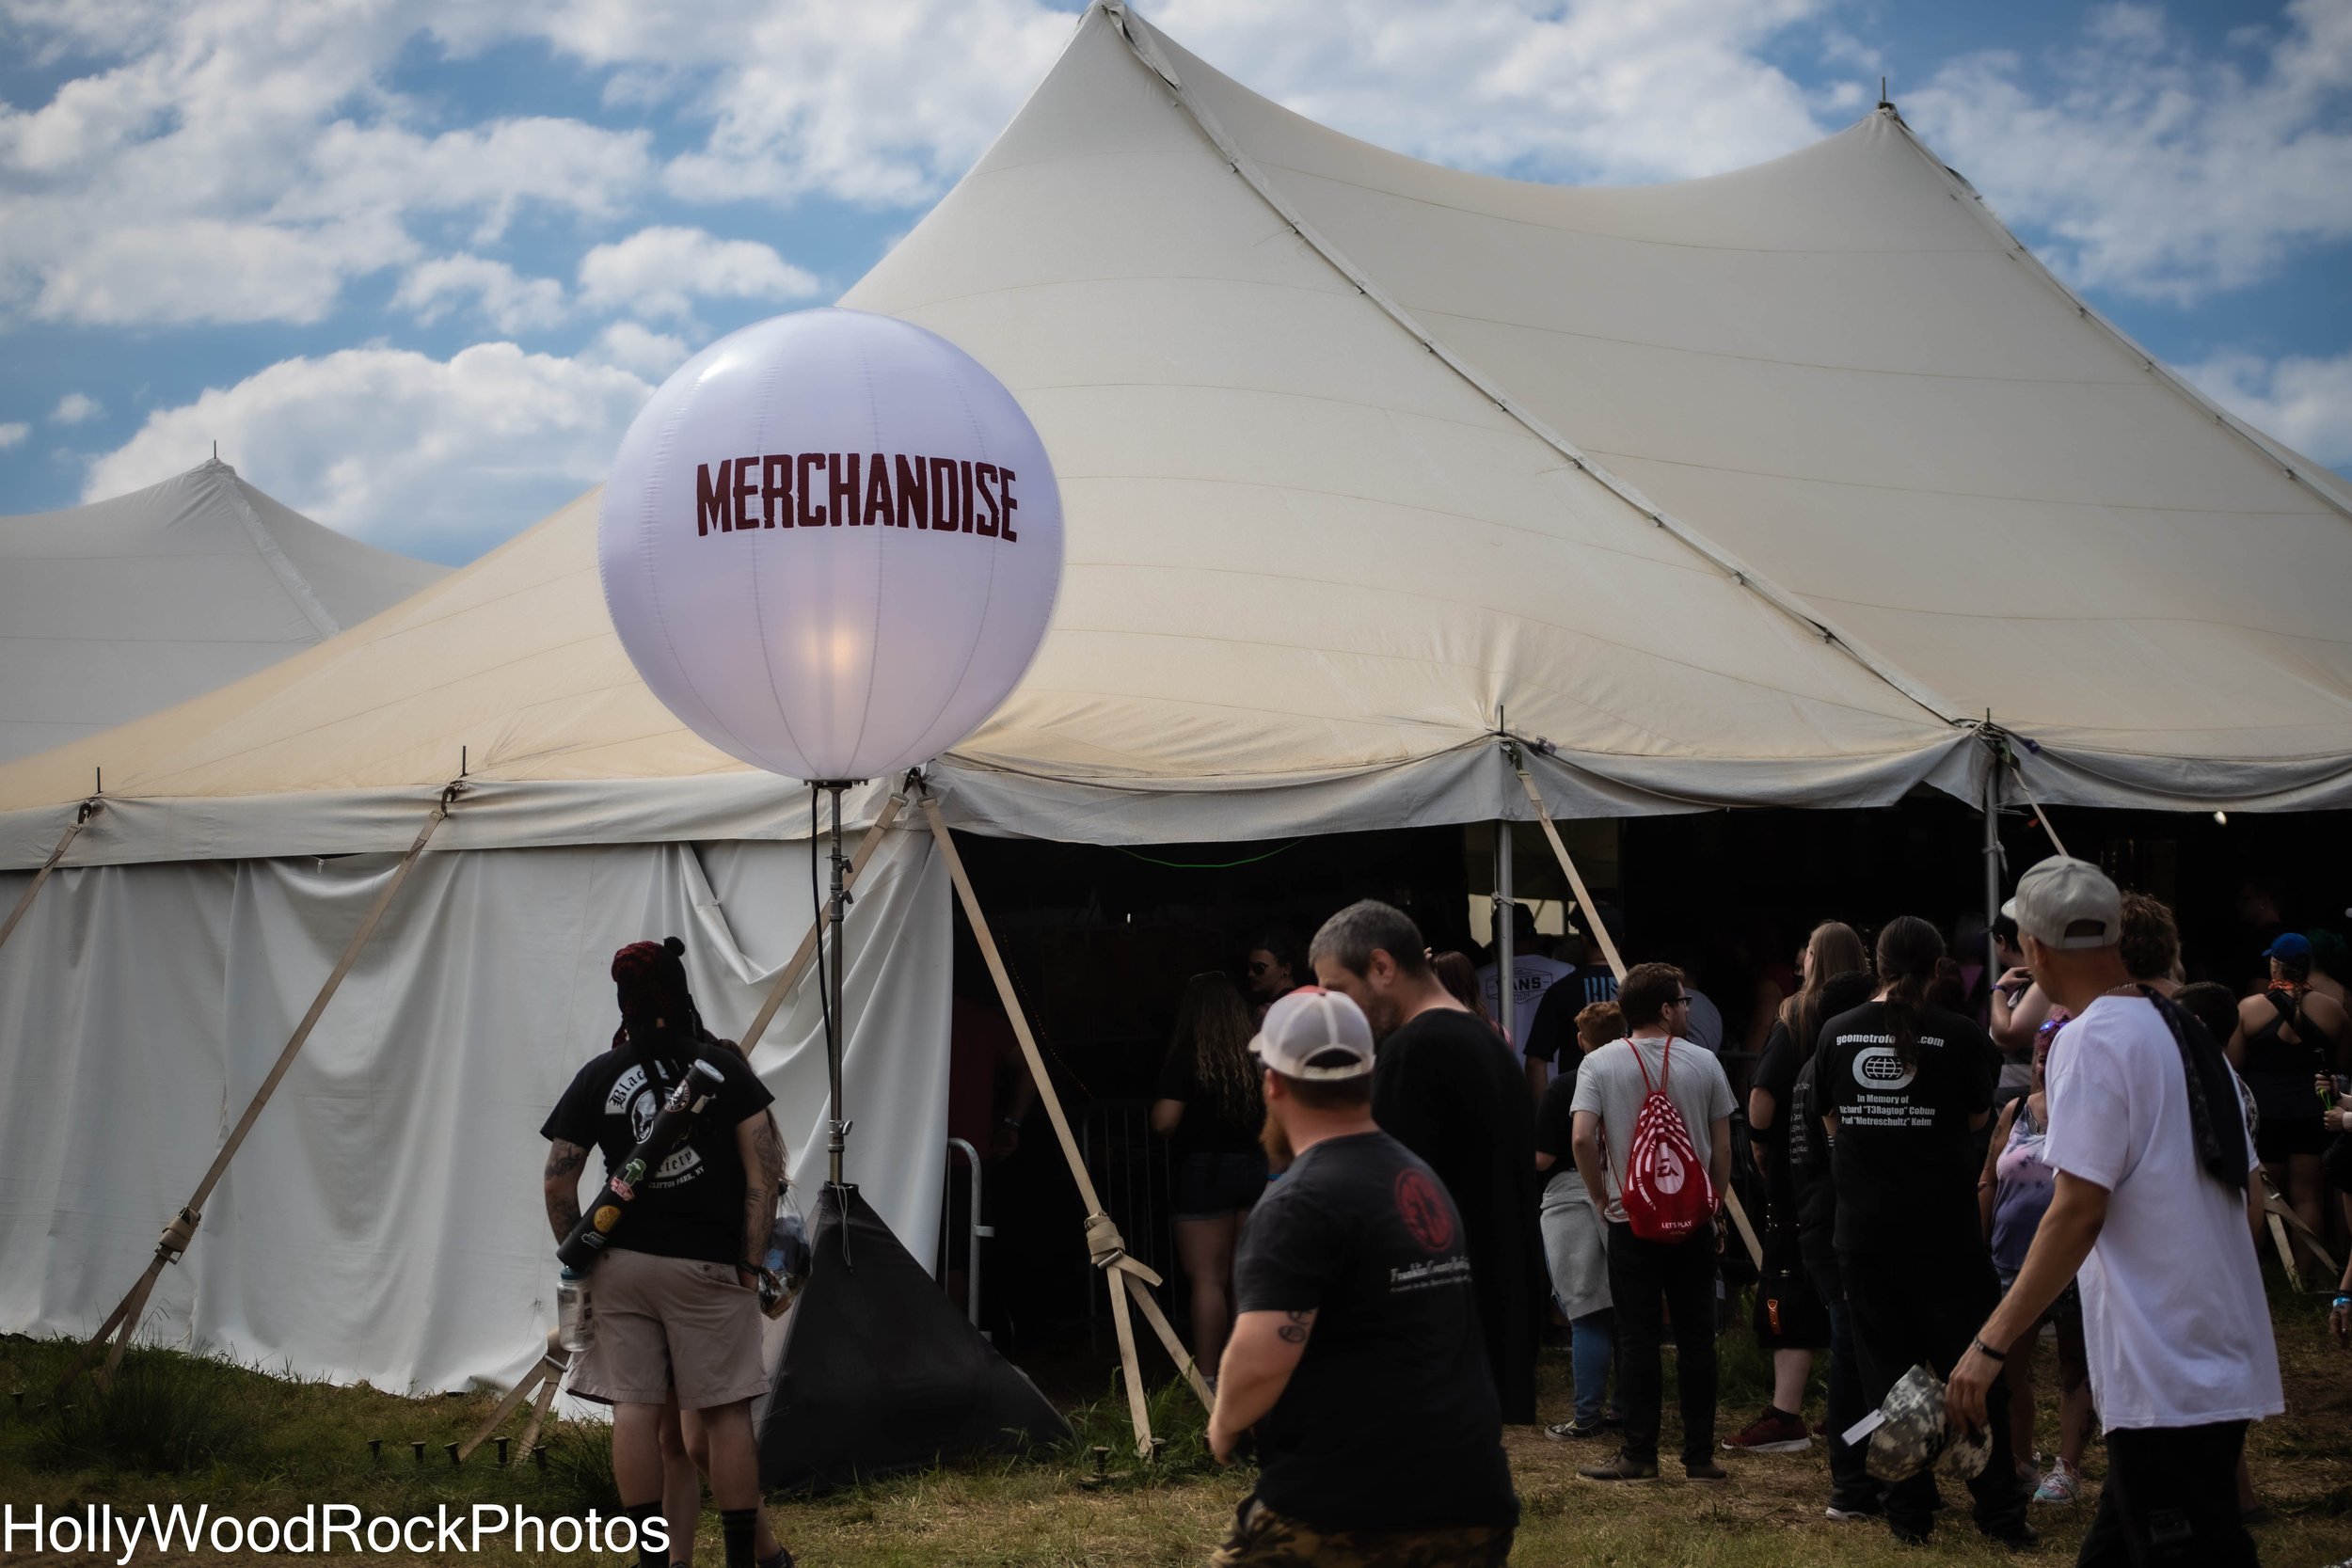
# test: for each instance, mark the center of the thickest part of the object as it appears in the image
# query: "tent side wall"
(384, 1222)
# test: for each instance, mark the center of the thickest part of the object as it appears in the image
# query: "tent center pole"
(1506, 958)
(1991, 865)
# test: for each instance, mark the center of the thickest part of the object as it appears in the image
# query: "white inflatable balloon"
(829, 543)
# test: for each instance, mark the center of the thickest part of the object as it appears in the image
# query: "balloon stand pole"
(836, 1020)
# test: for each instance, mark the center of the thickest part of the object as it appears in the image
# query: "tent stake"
(72, 831)
(1104, 1245)
(549, 1370)
(123, 1323)
(1616, 964)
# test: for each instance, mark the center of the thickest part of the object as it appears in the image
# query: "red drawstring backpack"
(1666, 1194)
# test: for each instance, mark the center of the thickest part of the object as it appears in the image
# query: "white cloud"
(2306, 402)
(2150, 165)
(1589, 90)
(879, 105)
(13, 432)
(650, 353)
(74, 407)
(428, 456)
(511, 303)
(239, 161)
(661, 272)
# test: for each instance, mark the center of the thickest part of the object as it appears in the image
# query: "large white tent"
(1755, 490)
(113, 609)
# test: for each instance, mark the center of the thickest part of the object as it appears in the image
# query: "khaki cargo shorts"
(1261, 1538)
(665, 1324)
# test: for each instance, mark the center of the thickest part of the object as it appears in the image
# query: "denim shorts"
(1210, 1186)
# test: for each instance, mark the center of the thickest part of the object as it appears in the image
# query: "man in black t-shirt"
(1449, 1090)
(674, 1297)
(1356, 1354)
(1902, 1088)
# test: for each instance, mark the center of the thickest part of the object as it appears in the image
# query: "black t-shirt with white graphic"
(1905, 1162)
(1390, 1422)
(692, 1206)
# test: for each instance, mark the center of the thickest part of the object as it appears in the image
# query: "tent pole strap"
(1616, 966)
(789, 976)
(1505, 905)
(1123, 1274)
(2000, 743)
(124, 1321)
(1576, 878)
(72, 831)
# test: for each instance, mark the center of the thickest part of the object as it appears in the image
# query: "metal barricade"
(974, 1232)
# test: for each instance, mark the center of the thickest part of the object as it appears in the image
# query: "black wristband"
(1984, 1349)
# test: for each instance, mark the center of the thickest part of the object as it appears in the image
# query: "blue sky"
(415, 265)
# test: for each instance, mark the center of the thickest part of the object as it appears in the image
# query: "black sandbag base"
(881, 1372)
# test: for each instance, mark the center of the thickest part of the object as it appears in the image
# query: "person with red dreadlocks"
(675, 1293)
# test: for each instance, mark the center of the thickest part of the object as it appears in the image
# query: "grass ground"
(181, 1429)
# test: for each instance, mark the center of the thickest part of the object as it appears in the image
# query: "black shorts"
(2275, 1138)
(1210, 1186)
(1788, 1310)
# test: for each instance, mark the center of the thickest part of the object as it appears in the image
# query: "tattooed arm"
(762, 1149)
(560, 1184)
(1258, 1360)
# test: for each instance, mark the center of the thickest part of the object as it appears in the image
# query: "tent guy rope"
(89, 808)
(123, 1323)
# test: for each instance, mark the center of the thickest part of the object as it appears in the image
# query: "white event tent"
(1761, 489)
(113, 609)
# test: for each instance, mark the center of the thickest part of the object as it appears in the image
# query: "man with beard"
(1355, 1356)
(1449, 1090)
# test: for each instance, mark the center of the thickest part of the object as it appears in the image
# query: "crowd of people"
(1381, 1198)
(1936, 1184)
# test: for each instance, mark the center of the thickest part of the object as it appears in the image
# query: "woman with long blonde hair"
(1209, 1107)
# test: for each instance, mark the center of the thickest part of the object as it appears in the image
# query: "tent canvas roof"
(121, 607)
(1754, 489)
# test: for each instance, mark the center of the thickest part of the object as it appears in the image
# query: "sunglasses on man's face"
(1253, 971)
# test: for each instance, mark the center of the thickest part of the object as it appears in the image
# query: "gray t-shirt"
(1610, 1084)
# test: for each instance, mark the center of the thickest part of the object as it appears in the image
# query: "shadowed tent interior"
(1760, 490)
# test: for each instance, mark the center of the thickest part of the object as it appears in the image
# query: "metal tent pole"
(1992, 864)
(1505, 904)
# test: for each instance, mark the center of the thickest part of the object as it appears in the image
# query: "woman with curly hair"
(1210, 1110)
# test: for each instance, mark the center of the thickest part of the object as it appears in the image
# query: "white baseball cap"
(1306, 1024)
(2067, 903)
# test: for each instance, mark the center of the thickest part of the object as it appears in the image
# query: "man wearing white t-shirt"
(2152, 1208)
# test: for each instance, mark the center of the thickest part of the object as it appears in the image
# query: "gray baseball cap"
(2067, 903)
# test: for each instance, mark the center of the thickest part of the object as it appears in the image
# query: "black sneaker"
(1620, 1468)
(1569, 1432)
(2020, 1537)
(1847, 1509)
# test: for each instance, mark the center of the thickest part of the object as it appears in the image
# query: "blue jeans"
(1594, 1347)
